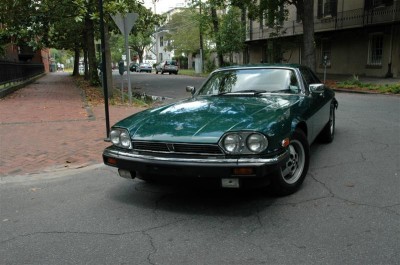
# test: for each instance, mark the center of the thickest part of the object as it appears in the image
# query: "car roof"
(261, 65)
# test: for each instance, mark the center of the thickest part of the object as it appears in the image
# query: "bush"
(355, 83)
(210, 66)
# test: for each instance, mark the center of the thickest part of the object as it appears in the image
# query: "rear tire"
(292, 175)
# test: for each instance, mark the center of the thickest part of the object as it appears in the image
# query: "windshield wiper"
(254, 91)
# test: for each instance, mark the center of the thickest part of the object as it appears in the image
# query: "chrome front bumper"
(186, 167)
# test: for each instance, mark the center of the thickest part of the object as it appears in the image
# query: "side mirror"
(191, 89)
(317, 88)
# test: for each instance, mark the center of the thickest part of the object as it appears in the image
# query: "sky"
(163, 6)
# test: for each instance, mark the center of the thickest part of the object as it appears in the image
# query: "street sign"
(125, 22)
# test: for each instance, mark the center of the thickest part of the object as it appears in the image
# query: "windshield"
(239, 81)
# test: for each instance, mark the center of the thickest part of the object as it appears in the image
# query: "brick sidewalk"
(45, 126)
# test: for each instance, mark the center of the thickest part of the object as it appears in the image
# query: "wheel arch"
(302, 125)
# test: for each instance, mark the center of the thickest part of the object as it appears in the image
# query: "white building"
(159, 48)
(163, 6)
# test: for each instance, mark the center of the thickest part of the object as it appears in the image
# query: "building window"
(161, 41)
(326, 52)
(271, 18)
(298, 16)
(160, 56)
(375, 50)
(327, 8)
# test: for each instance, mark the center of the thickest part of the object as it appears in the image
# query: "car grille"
(180, 148)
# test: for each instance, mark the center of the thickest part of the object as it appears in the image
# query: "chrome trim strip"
(243, 161)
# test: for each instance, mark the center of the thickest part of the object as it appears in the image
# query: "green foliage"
(356, 84)
(210, 66)
(271, 11)
(231, 33)
(394, 88)
(184, 31)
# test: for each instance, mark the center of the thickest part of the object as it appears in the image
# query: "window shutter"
(319, 14)
(333, 8)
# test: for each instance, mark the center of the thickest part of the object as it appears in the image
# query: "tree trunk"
(308, 54)
(140, 54)
(215, 22)
(76, 60)
(85, 61)
(93, 75)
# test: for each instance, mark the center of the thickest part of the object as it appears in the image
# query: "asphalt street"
(347, 212)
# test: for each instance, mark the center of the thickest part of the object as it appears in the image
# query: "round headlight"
(232, 143)
(125, 139)
(256, 142)
(114, 136)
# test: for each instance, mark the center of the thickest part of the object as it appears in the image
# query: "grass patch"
(355, 84)
(191, 72)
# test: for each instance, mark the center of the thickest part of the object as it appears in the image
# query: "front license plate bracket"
(230, 183)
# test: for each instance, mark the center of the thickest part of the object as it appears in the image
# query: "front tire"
(292, 175)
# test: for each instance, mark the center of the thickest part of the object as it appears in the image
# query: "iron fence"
(11, 72)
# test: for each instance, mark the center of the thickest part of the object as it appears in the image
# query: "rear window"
(170, 63)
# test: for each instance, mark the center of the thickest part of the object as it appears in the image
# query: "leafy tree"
(20, 28)
(213, 6)
(143, 30)
(184, 32)
(231, 33)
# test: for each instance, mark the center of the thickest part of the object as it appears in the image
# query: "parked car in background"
(133, 67)
(168, 66)
(245, 125)
(144, 67)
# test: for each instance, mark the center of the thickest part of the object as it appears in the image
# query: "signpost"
(103, 69)
(125, 23)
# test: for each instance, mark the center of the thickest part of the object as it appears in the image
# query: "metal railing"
(11, 73)
(343, 20)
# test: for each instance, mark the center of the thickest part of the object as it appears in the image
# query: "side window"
(308, 77)
(293, 84)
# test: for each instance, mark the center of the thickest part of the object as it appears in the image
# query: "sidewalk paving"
(47, 126)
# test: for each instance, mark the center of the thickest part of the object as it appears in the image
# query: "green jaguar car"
(245, 125)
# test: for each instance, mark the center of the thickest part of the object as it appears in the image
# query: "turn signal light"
(243, 171)
(111, 161)
(285, 142)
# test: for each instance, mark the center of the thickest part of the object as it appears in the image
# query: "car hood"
(206, 119)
